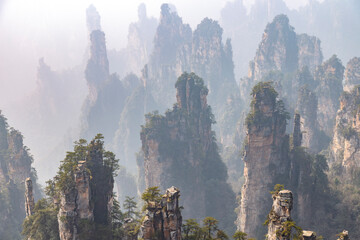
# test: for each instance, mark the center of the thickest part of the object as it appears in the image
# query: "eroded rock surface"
(163, 219)
(279, 214)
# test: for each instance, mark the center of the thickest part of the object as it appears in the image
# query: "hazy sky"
(56, 30)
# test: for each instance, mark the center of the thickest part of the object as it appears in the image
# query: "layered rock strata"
(266, 161)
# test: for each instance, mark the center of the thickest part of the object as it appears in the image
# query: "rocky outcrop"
(266, 161)
(344, 235)
(29, 198)
(329, 77)
(284, 58)
(278, 49)
(345, 146)
(309, 235)
(97, 69)
(179, 148)
(86, 200)
(213, 61)
(352, 74)
(163, 219)
(76, 206)
(279, 214)
(170, 56)
(92, 19)
(310, 54)
(17, 181)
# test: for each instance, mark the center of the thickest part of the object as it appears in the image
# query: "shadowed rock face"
(279, 214)
(163, 219)
(352, 74)
(179, 148)
(266, 160)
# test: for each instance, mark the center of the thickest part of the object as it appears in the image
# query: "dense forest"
(169, 138)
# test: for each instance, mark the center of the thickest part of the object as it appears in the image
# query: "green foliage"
(265, 92)
(210, 226)
(130, 207)
(43, 224)
(290, 231)
(191, 229)
(277, 189)
(240, 235)
(151, 195)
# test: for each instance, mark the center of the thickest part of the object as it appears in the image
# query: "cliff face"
(212, 61)
(278, 49)
(15, 168)
(97, 69)
(307, 107)
(279, 214)
(266, 161)
(179, 148)
(284, 57)
(75, 206)
(345, 143)
(170, 56)
(163, 219)
(352, 74)
(93, 19)
(86, 199)
(310, 54)
(329, 77)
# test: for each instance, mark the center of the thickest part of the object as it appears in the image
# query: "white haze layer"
(56, 30)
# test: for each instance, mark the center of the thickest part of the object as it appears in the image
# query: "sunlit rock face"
(279, 214)
(266, 160)
(345, 146)
(163, 219)
(87, 202)
(179, 148)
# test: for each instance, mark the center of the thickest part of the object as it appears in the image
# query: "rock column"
(29, 197)
(279, 214)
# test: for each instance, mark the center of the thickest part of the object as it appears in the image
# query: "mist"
(56, 32)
